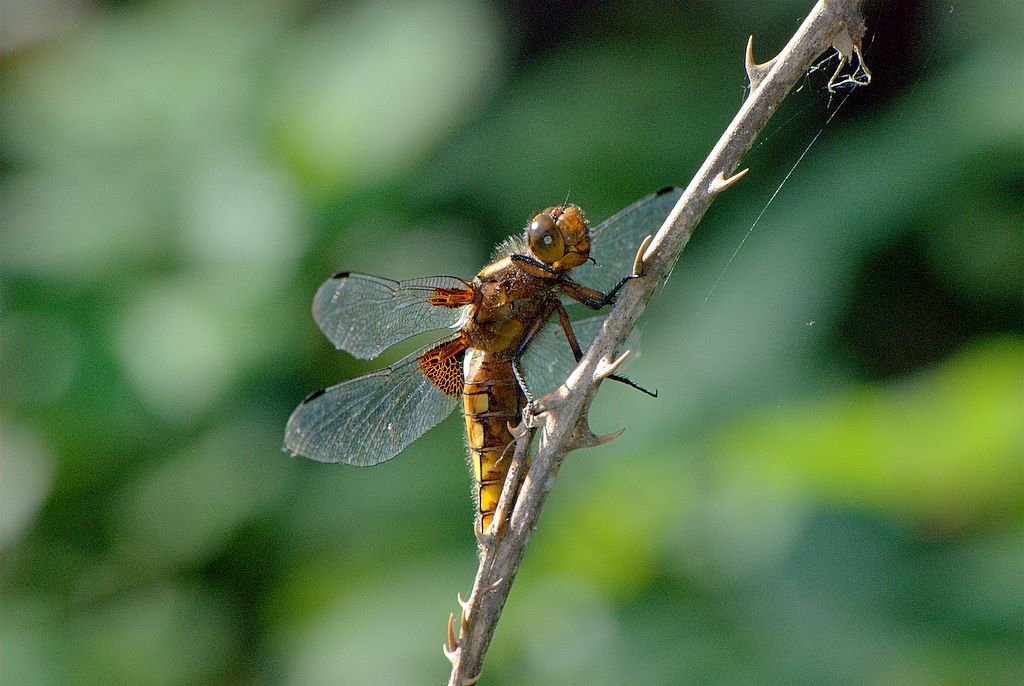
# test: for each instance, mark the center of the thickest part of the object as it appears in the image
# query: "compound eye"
(545, 239)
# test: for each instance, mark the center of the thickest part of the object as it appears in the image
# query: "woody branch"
(831, 24)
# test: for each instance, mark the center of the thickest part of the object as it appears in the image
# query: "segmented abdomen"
(491, 400)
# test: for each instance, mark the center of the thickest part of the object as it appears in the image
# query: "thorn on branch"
(586, 438)
(720, 183)
(755, 72)
(453, 643)
(522, 430)
(639, 267)
(606, 369)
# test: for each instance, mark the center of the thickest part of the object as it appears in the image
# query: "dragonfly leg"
(632, 384)
(563, 318)
(517, 356)
(610, 298)
(591, 298)
(522, 383)
(537, 264)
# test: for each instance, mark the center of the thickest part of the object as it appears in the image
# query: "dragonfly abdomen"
(491, 400)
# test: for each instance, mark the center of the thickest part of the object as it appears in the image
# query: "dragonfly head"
(559, 237)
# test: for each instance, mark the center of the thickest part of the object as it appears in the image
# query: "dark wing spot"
(664, 189)
(340, 275)
(313, 396)
(443, 365)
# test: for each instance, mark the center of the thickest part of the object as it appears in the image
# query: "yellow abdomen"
(491, 400)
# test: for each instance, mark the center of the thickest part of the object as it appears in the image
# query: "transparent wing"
(615, 241)
(370, 419)
(365, 315)
(548, 359)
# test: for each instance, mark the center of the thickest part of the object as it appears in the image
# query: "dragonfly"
(506, 336)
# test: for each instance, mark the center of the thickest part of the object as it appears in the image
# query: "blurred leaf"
(30, 631)
(26, 472)
(609, 528)
(375, 85)
(564, 604)
(945, 447)
(109, 123)
(580, 121)
(184, 341)
(41, 355)
(976, 237)
(184, 512)
(375, 635)
(167, 635)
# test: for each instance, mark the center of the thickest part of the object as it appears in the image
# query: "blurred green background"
(829, 490)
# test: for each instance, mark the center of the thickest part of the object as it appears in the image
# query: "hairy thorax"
(508, 301)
